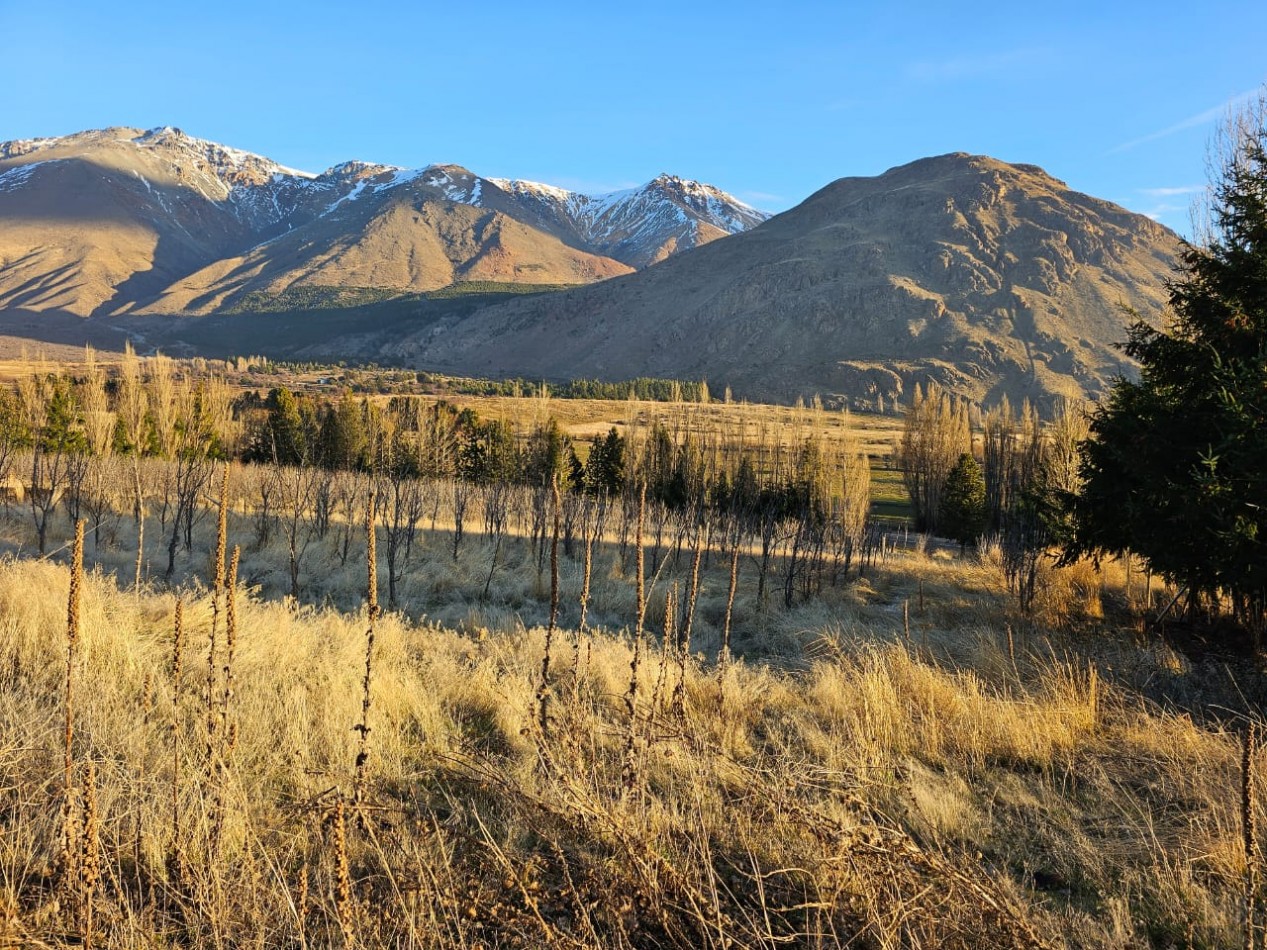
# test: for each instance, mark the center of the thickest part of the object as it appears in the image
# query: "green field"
(889, 500)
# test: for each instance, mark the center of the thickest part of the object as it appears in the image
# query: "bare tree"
(853, 503)
(401, 509)
(162, 403)
(348, 491)
(1048, 468)
(51, 413)
(131, 405)
(297, 490)
(267, 485)
(461, 498)
(194, 444)
(12, 437)
(98, 424)
(934, 435)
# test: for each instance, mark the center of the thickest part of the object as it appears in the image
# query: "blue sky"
(770, 101)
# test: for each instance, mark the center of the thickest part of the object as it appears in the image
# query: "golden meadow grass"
(899, 762)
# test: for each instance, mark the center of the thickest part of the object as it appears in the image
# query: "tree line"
(147, 438)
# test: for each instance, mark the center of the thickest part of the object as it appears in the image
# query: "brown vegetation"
(969, 778)
(644, 716)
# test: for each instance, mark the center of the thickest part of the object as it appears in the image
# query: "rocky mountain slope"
(123, 221)
(991, 278)
(642, 225)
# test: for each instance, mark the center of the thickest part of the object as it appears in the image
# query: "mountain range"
(120, 221)
(992, 278)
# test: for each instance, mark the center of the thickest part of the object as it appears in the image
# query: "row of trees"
(644, 388)
(796, 492)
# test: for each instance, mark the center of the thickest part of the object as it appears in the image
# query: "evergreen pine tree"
(1176, 470)
(962, 514)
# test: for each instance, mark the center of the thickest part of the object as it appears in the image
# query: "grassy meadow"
(899, 760)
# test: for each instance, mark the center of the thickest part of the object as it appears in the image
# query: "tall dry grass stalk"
(1249, 832)
(70, 831)
(688, 624)
(682, 650)
(723, 655)
(219, 762)
(629, 769)
(640, 562)
(543, 688)
(1093, 694)
(667, 646)
(217, 588)
(371, 611)
(90, 855)
(344, 901)
(723, 649)
(228, 726)
(301, 904)
(222, 530)
(178, 638)
(140, 546)
(139, 829)
(693, 594)
(591, 535)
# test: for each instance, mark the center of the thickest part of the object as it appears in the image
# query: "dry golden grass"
(838, 783)
(585, 418)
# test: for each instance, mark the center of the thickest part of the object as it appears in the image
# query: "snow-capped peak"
(535, 189)
(231, 165)
(638, 223)
(355, 169)
(19, 147)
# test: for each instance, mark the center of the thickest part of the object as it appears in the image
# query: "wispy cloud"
(1163, 211)
(1201, 118)
(965, 67)
(1166, 205)
(1172, 192)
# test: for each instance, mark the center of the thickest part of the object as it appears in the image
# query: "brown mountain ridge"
(991, 278)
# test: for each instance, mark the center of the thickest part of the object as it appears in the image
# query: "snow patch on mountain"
(19, 147)
(350, 196)
(533, 188)
(15, 178)
(636, 223)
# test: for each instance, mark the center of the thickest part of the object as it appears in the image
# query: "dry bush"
(1068, 593)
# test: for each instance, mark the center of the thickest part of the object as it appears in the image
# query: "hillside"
(992, 278)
